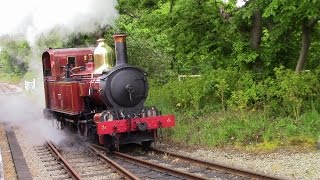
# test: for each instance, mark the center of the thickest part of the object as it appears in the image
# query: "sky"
(240, 3)
(32, 17)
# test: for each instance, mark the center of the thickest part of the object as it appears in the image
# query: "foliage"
(280, 110)
(13, 56)
(230, 89)
(196, 36)
(243, 94)
(252, 130)
(296, 91)
(6, 66)
(10, 78)
(51, 39)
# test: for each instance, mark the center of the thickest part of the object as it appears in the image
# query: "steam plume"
(32, 17)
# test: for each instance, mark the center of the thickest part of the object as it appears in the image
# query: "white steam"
(26, 114)
(32, 17)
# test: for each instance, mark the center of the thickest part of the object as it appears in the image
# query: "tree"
(199, 35)
(5, 63)
(146, 23)
(14, 56)
(51, 39)
(297, 13)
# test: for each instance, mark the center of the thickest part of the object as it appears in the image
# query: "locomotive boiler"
(86, 92)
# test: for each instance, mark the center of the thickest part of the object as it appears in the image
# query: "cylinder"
(121, 49)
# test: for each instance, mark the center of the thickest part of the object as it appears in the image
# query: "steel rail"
(152, 165)
(125, 173)
(74, 173)
(217, 166)
(160, 168)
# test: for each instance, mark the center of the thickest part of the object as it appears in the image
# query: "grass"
(10, 78)
(251, 132)
(16, 78)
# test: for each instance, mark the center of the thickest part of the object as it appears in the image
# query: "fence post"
(30, 85)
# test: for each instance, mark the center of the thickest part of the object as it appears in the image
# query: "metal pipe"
(121, 49)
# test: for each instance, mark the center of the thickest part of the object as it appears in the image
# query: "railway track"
(73, 163)
(6, 89)
(51, 161)
(143, 169)
(236, 172)
(94, 162)
(161, 164)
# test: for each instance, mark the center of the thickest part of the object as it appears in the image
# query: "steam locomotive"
(87, 93)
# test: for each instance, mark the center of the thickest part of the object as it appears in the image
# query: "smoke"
(18, 110)
(33, 17)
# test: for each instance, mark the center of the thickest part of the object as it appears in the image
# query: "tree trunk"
(256, 30)
(255, 39)
(307, 28)
(171, 6)
(306, 41)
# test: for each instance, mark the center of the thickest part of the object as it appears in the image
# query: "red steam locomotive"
(85, 92)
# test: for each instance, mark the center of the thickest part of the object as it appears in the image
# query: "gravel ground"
(285, 163)
(8, 166)
(35, 165)
(1, 167)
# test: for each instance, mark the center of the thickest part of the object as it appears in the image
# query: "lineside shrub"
(233, 107)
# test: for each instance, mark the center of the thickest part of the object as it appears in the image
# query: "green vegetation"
(12, 58)
(227, 107)
(253, 90)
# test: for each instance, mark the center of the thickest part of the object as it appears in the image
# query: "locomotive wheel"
(110, 143)
(59, 124)
(93, 135)
(82, 129)
(112, 147)
(73, 128)
(146, 145)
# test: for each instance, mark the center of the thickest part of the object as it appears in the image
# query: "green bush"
(282, 109)
(10, 78)
(294, 92)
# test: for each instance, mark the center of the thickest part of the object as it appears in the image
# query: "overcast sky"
(239, 2)
(31, 17)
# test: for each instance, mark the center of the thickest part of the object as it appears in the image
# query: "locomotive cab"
(46, 64)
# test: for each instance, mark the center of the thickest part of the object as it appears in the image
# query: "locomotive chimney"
(121, 49)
